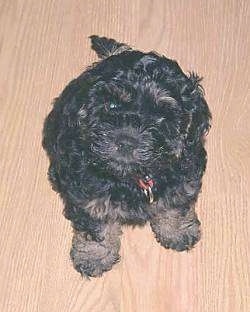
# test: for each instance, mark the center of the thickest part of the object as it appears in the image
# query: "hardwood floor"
(43, 45)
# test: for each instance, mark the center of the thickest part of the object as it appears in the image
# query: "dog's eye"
(113, 105)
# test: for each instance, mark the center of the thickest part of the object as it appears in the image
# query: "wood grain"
(43, 45)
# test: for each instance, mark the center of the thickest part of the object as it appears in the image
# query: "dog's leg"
(91, 257)
(175, 229)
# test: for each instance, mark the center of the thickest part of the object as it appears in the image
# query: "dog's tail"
(105, 47)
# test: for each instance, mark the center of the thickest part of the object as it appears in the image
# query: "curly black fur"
(129, 116)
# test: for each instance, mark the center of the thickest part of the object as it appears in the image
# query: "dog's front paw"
(91, 258)
(179, 236)
(184, 238)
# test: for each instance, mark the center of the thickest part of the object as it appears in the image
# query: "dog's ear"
(198, 116)
(105, 47)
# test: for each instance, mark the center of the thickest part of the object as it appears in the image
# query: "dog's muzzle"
(126, 145)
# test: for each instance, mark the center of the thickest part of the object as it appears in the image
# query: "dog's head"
(139, 110)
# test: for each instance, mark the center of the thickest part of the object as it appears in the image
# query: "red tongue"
(146, 183)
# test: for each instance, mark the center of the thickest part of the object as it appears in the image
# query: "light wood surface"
(43, 45)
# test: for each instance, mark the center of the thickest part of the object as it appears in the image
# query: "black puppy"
(126, 145)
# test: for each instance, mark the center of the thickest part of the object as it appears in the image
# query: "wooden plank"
(43, 45)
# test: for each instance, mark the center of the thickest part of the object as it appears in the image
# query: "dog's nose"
(125, 147)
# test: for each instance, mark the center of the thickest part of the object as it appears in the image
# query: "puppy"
(125, 142)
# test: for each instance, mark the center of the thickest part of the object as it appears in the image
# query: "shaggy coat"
(126, 145)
